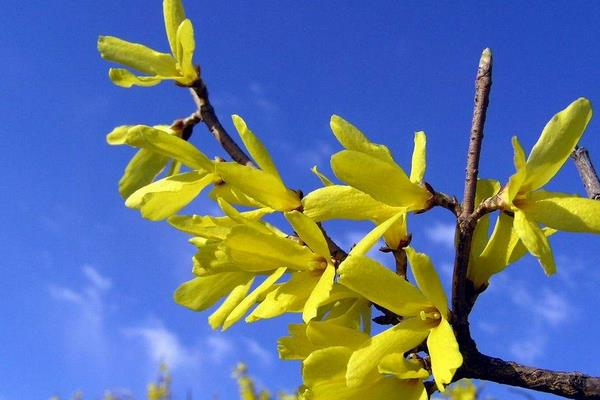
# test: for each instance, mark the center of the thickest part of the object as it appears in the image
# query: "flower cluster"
(260, 270)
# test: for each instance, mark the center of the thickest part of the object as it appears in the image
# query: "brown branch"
(186, 125)
(572, 385)
(483, 84)
(443, 200)
(587, 172)
(209, 117)
(465, 225)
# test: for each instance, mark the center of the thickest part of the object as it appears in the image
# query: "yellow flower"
(263, 185)
(234, 250)
(370, 168)
(425, 314)
(532, 206)
(368, 196)
(165, 197)
(326, 346)
(158, 66)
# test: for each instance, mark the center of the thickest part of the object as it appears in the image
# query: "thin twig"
(465, 225)
(587, 172)
(186, 125)
(483, 84)
(209, 117)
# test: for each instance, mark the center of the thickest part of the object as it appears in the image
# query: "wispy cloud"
(441, 233)
(547, 307)
(85, 320)
(98, 281)
(529, 350)
(163, 345)
(260, 353)
(219, 347)
(260, 98)
(318, 154)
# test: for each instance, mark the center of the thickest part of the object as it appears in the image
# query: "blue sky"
(87, 284)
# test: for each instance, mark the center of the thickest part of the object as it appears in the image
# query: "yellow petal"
(324, 180)
(323, 373)
(309, 232)
(124, 78)
(241, 309)
(167, 196)
(345, 202)
(402, 337)
(202, 292)
(174, 15)
(367, 242)
(396, 364)
(381, 286)
(187, 45)
(516, 181)
(557, 141)
(419, 158)
(255, 147)
(325, 365)
(235, 297)
(563, 212)
(319, 294)
(288, 297)
(233, 196)
(198, 225)
(495, 256)
(353, 139)
(257, 251)
(162, 143)
(136, 56)
(324, 334)
(296, 346)
(260, 185)
(141, 171)
(485, 188)
(381, 180)
(428, 280)
(534, 239)
(242, 219)
(445, 354)
(349, 311)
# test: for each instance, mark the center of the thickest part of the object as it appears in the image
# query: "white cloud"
(264, 356)
(529, 350)
(65, 294)
(318, 154)
(548, 307)
(260, 98)
(84, 321)
(163, 345)
(487, 327)
(95, 278)
(442, 234)
(219, 347)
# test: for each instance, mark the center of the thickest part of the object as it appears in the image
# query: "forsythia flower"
(559, 211)
(425, 313)
(326, 347)
(365, 200)
(163, 198)
(370, 168)
(233, 250)
(177, 66)
(263, 185)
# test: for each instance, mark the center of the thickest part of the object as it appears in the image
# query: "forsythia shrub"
(260, 271)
